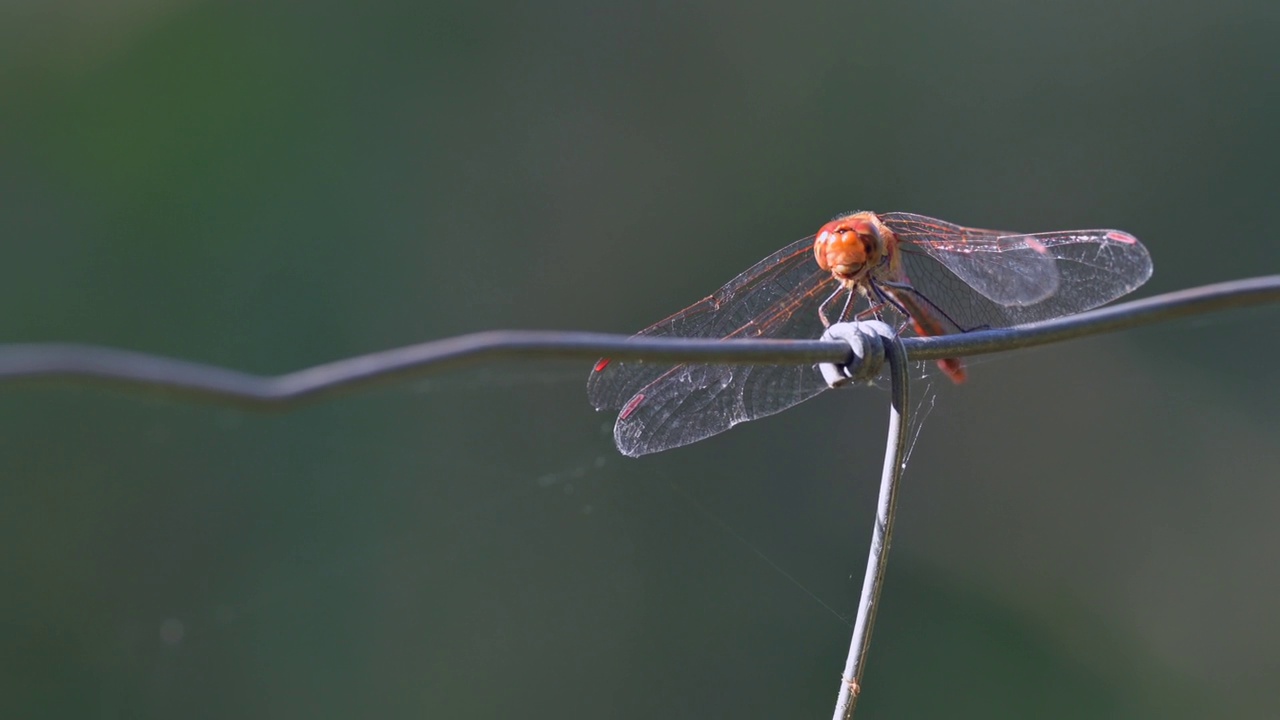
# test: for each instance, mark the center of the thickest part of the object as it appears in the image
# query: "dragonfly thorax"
(851, 246)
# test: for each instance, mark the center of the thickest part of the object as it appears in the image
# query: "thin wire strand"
(881, 531)
(140, 371)
(728, 530)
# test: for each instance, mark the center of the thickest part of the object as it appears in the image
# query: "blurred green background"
(1087, 530)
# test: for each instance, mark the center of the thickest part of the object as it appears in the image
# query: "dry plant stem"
(881, 532)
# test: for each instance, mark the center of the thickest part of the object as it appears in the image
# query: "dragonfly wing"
(693, 402)
(613, 382)
(723, 314)
(1007, 268)
(665, 406)
(1090, 268)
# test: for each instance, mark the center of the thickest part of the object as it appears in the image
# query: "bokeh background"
(1087, 530)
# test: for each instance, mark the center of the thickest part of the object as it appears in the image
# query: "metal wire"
(141, 371)
(882, 531)
(1148, 311)
(153, 373)
(134, 370)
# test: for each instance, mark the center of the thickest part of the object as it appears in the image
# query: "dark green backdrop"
(1087, 530)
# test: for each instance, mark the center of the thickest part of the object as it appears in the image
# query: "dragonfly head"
(851, 245)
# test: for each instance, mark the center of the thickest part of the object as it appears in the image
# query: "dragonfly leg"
(887, 299)
(822, 309)
(871, 313)
(848, 304)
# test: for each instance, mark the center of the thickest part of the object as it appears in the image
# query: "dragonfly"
(934, 277)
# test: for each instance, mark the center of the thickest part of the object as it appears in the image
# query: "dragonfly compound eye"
(847, 246)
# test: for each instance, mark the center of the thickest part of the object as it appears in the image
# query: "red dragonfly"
(940, 278)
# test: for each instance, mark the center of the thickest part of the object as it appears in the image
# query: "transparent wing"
(1019, 278)
(664, 406)
(1008, 268)
(694, 402)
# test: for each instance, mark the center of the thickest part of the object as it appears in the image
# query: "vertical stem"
(877, 559)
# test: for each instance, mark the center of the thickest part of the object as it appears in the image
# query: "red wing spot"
(1038, 246)
(1121, 237)
(601, 364)
(631, 406)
